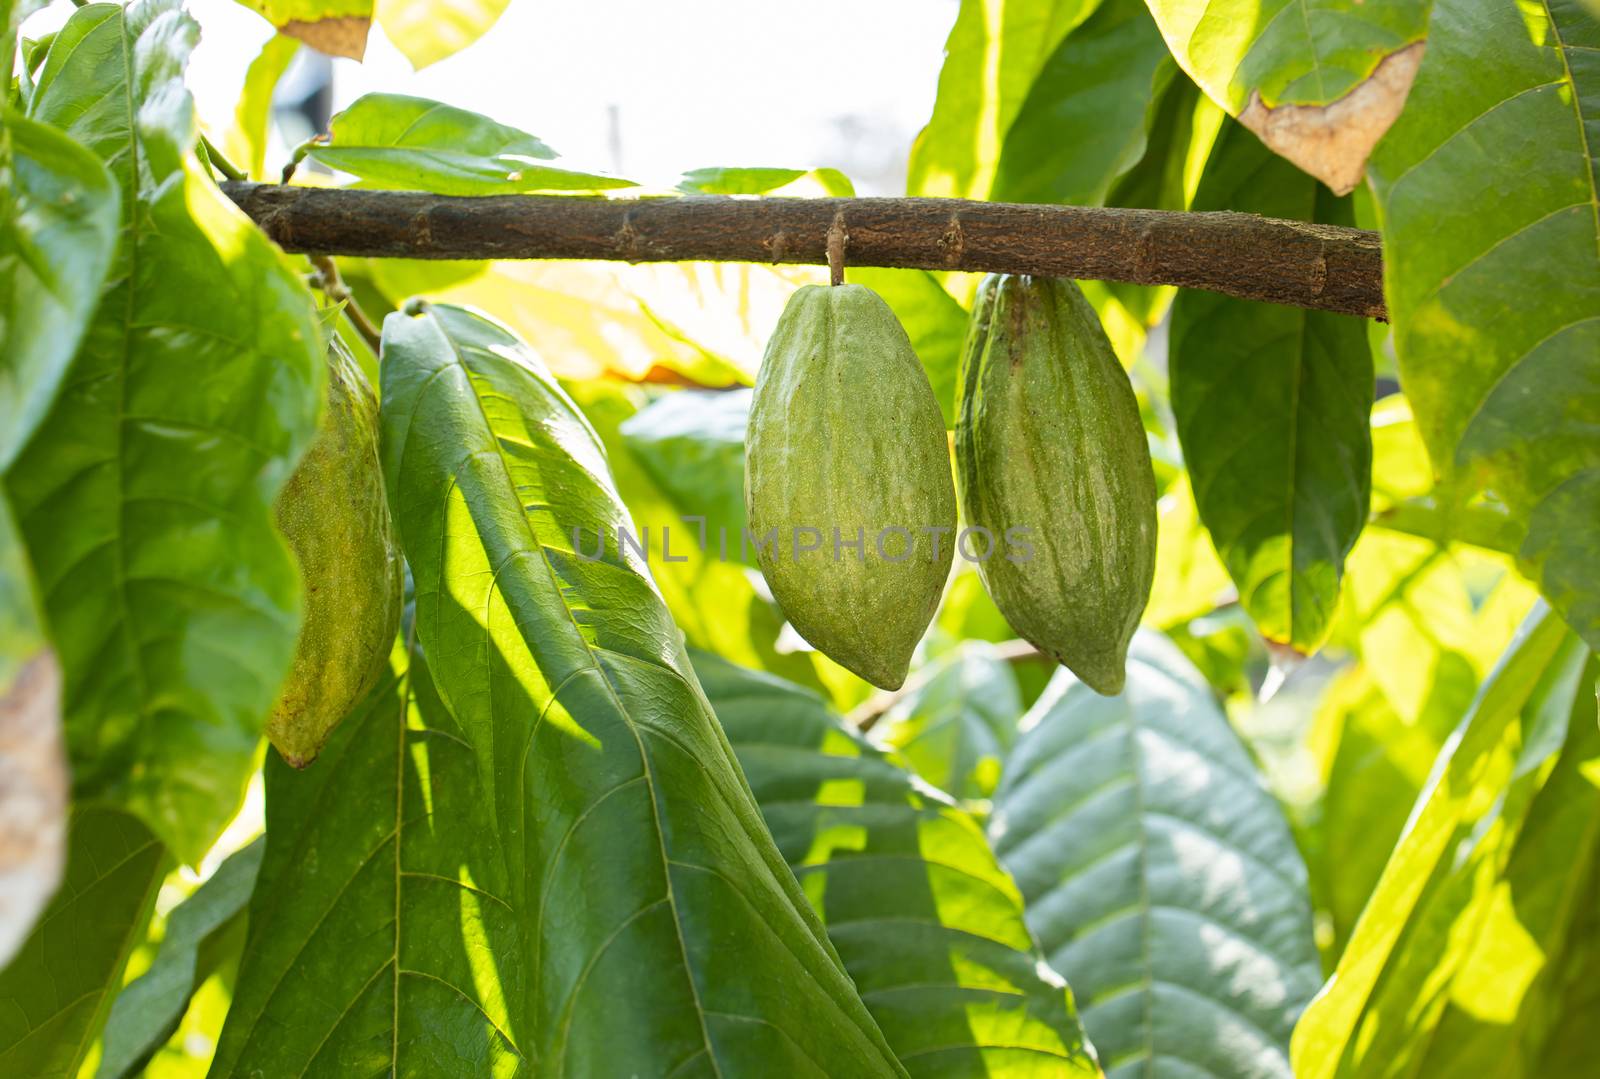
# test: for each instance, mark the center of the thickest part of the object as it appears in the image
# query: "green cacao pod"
(335, 515)
(847, 481)
(1051, 454)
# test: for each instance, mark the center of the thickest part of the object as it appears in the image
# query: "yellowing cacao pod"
(1051, 454)
(847, 481)
(335, 515)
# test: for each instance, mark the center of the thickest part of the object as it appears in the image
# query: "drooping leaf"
(602, 771)
(427, 31)
(1385, 998)
(692, 446)
(252, 117)
(956, 726)
(766, 181)
(335, 27)
(151, 1006)
(995, 53)
(1319, 81)
(414, 144)
(146, 497)
(1083, 123)
(55, 994)
(1273, 405)
(926, 921)
(1496, 300)
(1158, 873)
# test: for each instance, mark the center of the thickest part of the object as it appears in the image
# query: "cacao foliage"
(1051, 456)
(847, 481)
(335, 515)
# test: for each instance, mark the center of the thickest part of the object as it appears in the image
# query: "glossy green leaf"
(413, 144)
(1083, 123)
(1158, 873)
(146, 497)
(926, 921)
(335, 27)
(1272, 405)
(766, 181)
(55, 994)
(692, 445)
(955, 726)
(996, 50)
(1416, 931)
(611, 786)
(1495, 297)
(427, 31)
(1320, 80)
(150, 1007)
(58, 230)
(252, 116)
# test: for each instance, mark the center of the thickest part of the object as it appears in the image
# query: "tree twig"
(335, 289)
(1324, 267)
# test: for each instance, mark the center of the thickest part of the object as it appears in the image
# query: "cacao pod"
(1049, 440)
(335, 515)
(847, 481)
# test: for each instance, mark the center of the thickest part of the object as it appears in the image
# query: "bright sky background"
(846, 83)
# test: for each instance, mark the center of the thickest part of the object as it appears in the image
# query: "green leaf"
(1083, 123)
(146, 497)
(765, 181)
(151, 1006)
(335, 27)
(956, 724)
(926, 921)
(427, 31)
(413, 144)
(692, 446)
(1319, 81)
(996, 50)
(612, 787)
(55, 994)
(1494, 299)
(1158, 873)
(58, 229)
(252, 116)
(1378, 1003)
(1273, 405)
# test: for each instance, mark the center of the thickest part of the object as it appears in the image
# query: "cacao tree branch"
(1256, 258)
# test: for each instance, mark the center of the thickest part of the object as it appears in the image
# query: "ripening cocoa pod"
(1050, 452)
(847, 481)
(335, 515)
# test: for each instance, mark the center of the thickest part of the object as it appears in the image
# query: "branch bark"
(1324, 267)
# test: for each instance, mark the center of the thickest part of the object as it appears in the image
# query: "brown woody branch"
(1256, 258)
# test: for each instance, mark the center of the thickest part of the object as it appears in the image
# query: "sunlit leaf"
(414, 144)
(247, 139)
(692, 445)
(1319, 81)
(146, 497)
(54, 996)
(1158, 873)
(1190, 580)
(1273, 405)
(996, 50)
(955, 726)
(926, 921)
(1417, 929)
(766, 181)
(427, 31)
(1495, 299)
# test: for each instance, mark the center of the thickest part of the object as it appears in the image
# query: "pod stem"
(837, 239)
